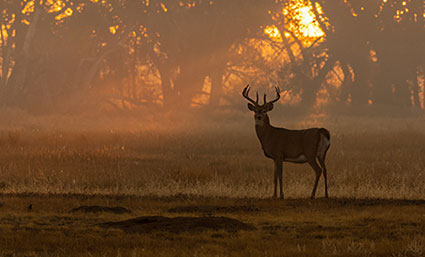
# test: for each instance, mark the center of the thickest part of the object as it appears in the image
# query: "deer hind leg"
(322, 163)
(323, 149)
(318, 171)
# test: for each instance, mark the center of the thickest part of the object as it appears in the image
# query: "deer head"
(260, 111)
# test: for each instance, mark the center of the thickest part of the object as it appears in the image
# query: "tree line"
(123, 54)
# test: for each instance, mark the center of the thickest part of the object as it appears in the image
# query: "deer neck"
(262, 128)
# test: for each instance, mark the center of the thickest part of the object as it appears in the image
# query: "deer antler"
(245, 93)
(275, 100)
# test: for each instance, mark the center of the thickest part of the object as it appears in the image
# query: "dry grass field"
(217, 174)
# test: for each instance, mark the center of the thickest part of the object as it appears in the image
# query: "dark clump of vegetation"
(178, 224)
(96, 209)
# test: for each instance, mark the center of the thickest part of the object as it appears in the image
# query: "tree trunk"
(312, 86)
(347, 84)
(168, 93)
(415, 89)
(6, 47)
(24, 58)
(360, 93)
(403, 95)
(382, 90)
(216, 88)
(187, 84)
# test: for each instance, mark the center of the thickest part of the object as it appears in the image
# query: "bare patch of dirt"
(149, 224)
(209, 209)
(96, 209)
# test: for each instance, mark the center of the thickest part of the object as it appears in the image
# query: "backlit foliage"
(301, 21)
(274, 33)
(52, 6)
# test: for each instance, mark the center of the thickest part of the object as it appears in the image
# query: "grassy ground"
(298, 227)
(362, 162)
(376, 184)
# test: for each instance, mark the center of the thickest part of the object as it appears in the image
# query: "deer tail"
(326, 133)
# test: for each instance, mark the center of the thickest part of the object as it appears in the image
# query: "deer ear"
(251, 107)
(268, 107)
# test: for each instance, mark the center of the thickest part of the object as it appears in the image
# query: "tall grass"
(367, 158)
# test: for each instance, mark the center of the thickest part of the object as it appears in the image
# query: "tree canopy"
(121, 54)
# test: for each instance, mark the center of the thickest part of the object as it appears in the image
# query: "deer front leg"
(275, 181)
(279, 168)
(278, 178)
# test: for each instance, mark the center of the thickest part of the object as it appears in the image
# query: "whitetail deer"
(284, 145)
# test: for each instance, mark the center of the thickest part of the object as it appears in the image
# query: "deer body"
(284, 145)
